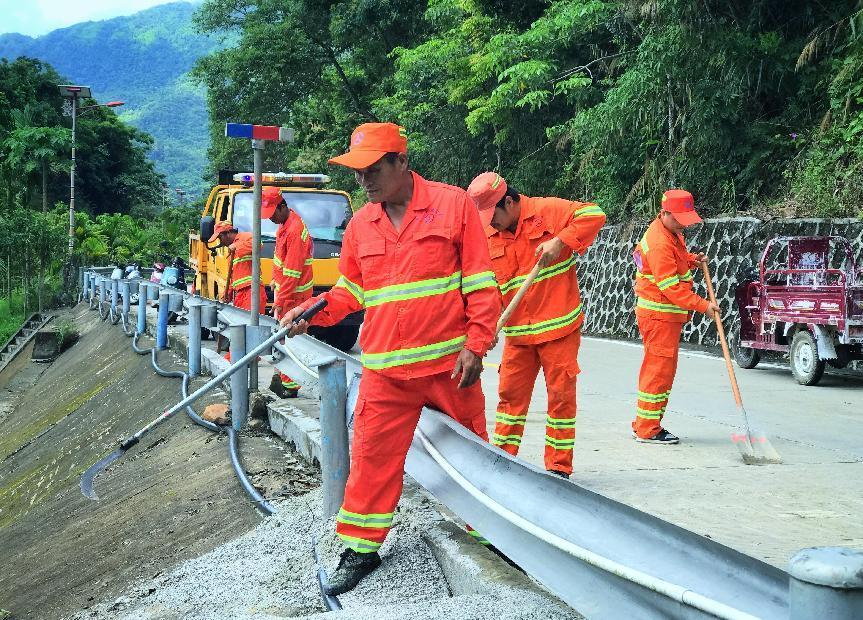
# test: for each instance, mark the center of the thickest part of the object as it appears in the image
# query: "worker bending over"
(415, 258)
(292, 268)
(545, 329)
(665, 301)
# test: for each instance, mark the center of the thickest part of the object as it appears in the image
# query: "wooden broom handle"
(517, 299)
(722, 338)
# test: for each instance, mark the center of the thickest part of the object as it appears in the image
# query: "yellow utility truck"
(326, 213)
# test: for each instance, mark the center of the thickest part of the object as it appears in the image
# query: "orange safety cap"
(221, 227)
(271, 197)
(486, 190)
(370, 142)
(681, 205)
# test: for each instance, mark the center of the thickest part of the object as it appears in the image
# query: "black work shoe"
(559, 473)
(278, 388)
(352, 568)
(662, 438)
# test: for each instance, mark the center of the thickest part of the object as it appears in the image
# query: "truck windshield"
(326, 215)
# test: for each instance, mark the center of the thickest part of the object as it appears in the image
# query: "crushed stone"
(270, 573)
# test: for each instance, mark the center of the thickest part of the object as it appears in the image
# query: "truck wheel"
(746, 357)
(806, 366)
(342, 337)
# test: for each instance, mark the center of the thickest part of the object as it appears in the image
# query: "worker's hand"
(549, 251)
(226, 298)
(469, 365)
(494, 341)
(713, 310)
(301, 328)
(700, 258)
(277, 312)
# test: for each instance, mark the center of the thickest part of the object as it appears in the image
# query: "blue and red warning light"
(259, 132)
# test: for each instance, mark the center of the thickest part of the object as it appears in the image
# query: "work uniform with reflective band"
(240, 286)
(544, 331)
(292, 271)
(664, 302)
(428, 291)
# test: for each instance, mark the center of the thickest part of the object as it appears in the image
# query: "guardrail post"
(115, 290)
(91, 287)
(194, 339)
(85, 286)
(335, 454)
(240, 379)
(142, 308)
(126, 291)
(826, 582)
(162, 322)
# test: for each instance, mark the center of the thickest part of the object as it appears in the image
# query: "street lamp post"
(72, 93)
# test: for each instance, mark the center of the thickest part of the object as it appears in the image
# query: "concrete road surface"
(815, 497)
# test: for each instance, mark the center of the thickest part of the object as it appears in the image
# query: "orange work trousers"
(661, 345)
(518, 371)
(243, 300)
(385, 417)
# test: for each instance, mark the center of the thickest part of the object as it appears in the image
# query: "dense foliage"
(753, 104)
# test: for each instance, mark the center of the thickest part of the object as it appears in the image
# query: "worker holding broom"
(537, 239)
(665, 301)
(415, 258)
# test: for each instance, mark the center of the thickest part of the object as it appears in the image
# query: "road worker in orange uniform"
(545, 329)
(292, 268)
(665, 301)
(239, 286)
(415, 258)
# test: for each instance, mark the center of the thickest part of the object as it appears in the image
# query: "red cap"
(370, 142)
(680, 203)
(271, 197)
(221, 227)
(486, 190)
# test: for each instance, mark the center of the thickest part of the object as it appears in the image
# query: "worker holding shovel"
(665, 301)
(537, 239)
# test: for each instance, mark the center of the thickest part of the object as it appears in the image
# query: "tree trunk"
(44, 192)
(24, 281)
(41, 278)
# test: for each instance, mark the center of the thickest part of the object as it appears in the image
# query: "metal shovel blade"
(89, 476)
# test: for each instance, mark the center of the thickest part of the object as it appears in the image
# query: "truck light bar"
(259, 132)
(282, 178)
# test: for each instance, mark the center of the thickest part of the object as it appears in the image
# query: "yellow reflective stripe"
(478, 537)
(240, 281)
(243, 259)
(647, 277)
(647, 414)
(686, 277)
(402, 357)
(277, 262)
(290, 273)
(360, 545)
(477, 281)
(544, 326)
(412, 290)
(548, 272)
(659, 307)
(501, 440)
(309, 261)
(374, 520)
(510, 420)
(496, 182)
(291, 385)
(668, 282)
(561, 423)
(560, 444)
(354, 289)
(653, 398)
(644, 247)
(589, 210)
(305, 234)
(304, 287)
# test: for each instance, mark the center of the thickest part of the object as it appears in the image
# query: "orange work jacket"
(663, 280)
(428, 289)
(551, 308)
(292, 264)
(241, 262)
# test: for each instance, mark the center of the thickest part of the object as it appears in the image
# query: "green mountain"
(144, 60)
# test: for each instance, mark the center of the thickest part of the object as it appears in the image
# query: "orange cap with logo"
(271, 197)
(486, 190)
(681, 205)
(370, 142)
(219, 228)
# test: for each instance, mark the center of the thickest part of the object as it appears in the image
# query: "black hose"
(126, 325)
(332, 603)
(102, 315)
(135, 347)
(250, 490)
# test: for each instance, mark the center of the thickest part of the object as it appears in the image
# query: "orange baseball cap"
(486, 190)
(221, 227)
(370, 142)
(271, 197)
(680, 203)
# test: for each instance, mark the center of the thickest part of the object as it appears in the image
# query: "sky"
(37, 17)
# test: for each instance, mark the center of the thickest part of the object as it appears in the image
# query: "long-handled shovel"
(89, 476)
(755, 447)
(522, 290)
